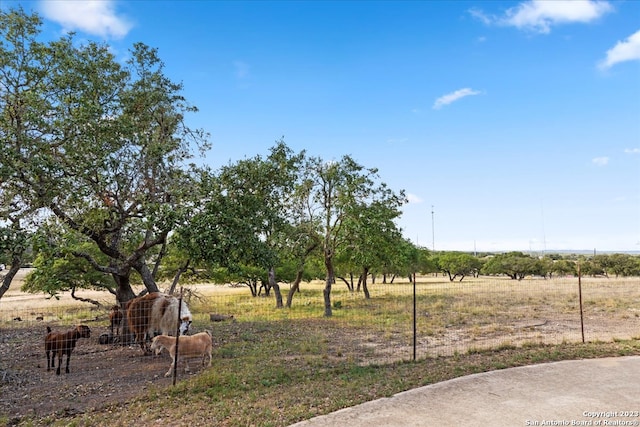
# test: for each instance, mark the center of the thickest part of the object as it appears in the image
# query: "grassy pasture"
(454, 317)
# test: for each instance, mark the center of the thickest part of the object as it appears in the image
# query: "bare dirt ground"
(99, 375)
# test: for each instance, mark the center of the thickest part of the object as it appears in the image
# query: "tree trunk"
(266, 286)
(365, 289)
(147, 277)
(124, 292)
(346, 282)
(276, 287)
(328, 262)
(161, 254)
(176, 278)
(327, 297)
(6, 280)
(294, 288)
(253, 286)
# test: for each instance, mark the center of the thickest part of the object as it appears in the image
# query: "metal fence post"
(175, 356)
(580, 297)
(415, 320)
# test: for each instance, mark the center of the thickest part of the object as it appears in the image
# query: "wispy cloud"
(625, 50)
(632, 150)
(412, 198)
(600, 161)
(540, 15)
(481, 16)
(96, 17)
(397, 140)
(454, 96)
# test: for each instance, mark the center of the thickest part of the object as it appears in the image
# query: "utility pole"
(433, 232)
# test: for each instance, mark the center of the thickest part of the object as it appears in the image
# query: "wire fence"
(448, 317)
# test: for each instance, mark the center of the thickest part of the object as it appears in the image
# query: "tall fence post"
(415, 320)
(175, 356)
(580, 298)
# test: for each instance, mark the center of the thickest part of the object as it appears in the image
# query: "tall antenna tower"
(544, 234)
(433, 232)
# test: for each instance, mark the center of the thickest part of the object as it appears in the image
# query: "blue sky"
(517, 123)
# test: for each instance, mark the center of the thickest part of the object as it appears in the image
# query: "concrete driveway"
(595, 392)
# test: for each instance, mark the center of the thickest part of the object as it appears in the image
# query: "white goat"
(200, 344)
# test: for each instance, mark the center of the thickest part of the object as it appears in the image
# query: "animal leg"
(67, 367)
(48, 366)
(168, 374)
(59, 363)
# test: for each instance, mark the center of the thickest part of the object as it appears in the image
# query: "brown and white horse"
(156, 311)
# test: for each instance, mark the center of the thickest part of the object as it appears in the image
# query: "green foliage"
(620, 265)
(240, 223)
(372, 239)
(563, 267)
(458, 264)
(15, 243)
(100, 145)
(516, 265)
(58, 268)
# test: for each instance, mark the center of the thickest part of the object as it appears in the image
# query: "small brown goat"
(60, 343)
(115, 320)
(198, 345)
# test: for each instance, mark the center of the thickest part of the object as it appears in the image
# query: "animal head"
(156, 346)
(184, 325)
(185, 319)
(83, 331)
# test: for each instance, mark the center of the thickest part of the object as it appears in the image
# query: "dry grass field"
(454, 319)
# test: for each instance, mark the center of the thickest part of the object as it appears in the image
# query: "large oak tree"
(100, 146)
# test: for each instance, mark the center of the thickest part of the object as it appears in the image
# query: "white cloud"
(96, 17)
(600, 161)
(626, 50)
(412, 198)
(454, 96)
(541, 15)
(632, 150)
(481, 16)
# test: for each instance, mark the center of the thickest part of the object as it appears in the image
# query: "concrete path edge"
(591, 392)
